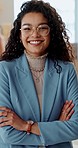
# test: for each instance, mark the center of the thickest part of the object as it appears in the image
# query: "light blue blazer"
(17, 91)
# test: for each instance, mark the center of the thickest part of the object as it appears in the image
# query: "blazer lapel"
(51, 78)
(27, 86)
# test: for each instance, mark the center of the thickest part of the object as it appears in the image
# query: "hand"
(35, 129)
(67, 111)
(8, 117)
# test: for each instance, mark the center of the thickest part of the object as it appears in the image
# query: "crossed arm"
(12, 119)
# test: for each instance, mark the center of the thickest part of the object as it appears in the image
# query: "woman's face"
(35, 33)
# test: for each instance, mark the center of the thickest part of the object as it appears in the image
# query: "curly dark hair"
(59, 48)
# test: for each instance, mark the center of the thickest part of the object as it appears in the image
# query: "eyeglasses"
(42, 30)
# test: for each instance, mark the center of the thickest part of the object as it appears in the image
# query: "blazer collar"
(27, 86)
(51, 78)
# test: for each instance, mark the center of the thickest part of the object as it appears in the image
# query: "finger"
(68, 104)
(3, 113)
(5, 123)
(3, 120)
(65, 104)
(69, 115)
(5, 109)
(70, 108)
(67, 110)
(63, 116)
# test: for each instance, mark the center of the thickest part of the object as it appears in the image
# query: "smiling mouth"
(35, 42)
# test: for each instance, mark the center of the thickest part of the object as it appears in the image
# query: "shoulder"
(11, 64)
(6, 68)
(63, 64)
(68, 65)
(7, 64)
(68, 68)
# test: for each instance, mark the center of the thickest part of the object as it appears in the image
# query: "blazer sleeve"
(63, 131)
(8, 134)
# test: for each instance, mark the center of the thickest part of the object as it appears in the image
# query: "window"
(67, 13)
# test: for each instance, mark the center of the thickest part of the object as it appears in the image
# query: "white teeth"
(35, 42)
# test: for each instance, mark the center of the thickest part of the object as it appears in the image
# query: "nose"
(35, 33)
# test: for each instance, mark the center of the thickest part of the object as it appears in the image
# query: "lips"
(35, 42)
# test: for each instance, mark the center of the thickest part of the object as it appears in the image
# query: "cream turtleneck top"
(37, 65)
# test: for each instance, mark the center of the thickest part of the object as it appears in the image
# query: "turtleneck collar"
(36, 63)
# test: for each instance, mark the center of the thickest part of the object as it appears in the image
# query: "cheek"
(47, 41)
(23, 39)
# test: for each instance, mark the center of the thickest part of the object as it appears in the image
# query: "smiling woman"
(38, 82)
(35, 33)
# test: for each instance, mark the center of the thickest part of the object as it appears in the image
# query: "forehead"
(33, 18)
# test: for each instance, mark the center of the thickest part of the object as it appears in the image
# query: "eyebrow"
(31, 24)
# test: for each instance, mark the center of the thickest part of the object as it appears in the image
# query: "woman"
(36, 78)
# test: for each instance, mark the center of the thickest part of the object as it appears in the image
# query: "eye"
(43, 27)
(26, 28)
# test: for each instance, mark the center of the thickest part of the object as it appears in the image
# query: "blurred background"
(68, 10)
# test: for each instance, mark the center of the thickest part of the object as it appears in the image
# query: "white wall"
(6, 11)
(17, 4)
(6, 16)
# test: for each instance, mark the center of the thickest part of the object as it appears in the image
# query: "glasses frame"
(34, 28)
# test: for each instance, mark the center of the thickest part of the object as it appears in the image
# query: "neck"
(35, 55)
(36, 63)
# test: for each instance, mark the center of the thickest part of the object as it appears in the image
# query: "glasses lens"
(43, 29)
(26, 30)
